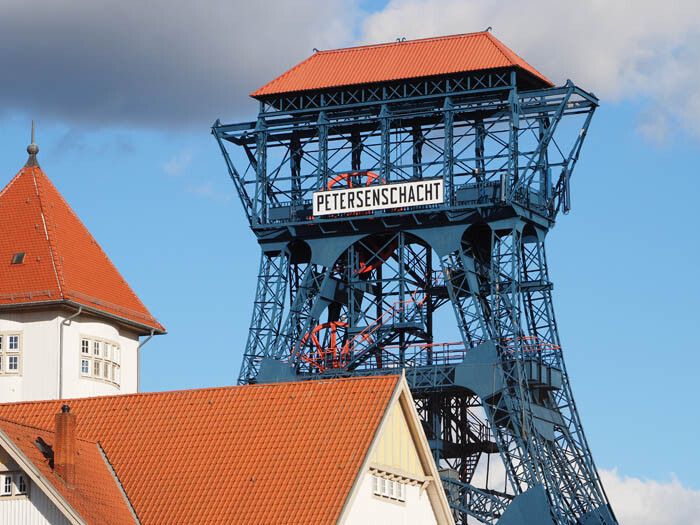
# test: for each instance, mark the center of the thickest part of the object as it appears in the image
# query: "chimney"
(65, 447)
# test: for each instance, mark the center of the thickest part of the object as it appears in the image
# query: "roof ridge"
(53, 244)
(203, 389)
(42, 429)
(403, 42)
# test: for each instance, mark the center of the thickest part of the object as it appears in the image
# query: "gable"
(395, 449)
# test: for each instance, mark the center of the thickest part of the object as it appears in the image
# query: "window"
(18, 258)
(388, 488)
(103, 363)
(13, 484)
(7, 486)
(10, 353)
(21, 485)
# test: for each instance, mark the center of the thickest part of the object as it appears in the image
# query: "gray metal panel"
(529, 508)
(480, 371)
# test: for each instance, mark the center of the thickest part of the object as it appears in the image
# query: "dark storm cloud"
(155, 63)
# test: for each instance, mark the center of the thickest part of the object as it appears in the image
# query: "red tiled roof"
(62, 261)
(274, 453)
(95, 495)
(396, 61)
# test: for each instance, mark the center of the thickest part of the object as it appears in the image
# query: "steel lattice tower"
(367, 291)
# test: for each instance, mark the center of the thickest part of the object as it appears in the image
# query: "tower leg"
(268, 308)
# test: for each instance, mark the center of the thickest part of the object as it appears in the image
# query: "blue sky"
(123, 113)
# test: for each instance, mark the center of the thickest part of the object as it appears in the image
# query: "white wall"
(368, 509)
(39, 378)
(35, 510)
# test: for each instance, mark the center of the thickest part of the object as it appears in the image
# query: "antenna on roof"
(489, 28)
(32, 149)
(401, 39)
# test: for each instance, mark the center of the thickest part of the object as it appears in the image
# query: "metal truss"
(366, 293)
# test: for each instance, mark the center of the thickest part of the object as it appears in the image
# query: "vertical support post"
(417, 135)
(513, 151)
(296, 153)
(385, 123)
(322, 175)
(356, 145)
(448, 153)
(259, 203)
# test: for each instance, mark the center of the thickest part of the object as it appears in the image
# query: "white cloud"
(177, 165)
(208, 191)
(649, 502)
(625, 49)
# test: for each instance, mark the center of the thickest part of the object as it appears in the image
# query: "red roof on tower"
(60, 261)
(398, 61)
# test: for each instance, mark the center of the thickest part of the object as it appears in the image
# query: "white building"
(69, 323)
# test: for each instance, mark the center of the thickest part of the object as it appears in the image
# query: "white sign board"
(378, 197)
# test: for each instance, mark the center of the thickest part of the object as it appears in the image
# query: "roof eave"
(142, 328)
(537, 78)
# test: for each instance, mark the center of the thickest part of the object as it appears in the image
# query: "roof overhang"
(139, 328)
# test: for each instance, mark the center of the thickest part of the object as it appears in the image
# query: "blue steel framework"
(357, 294)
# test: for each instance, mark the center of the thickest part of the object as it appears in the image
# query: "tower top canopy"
(399, 61)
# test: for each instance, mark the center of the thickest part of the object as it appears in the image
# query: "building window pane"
(85, 367)
(7, 486)
(117, 355)
(116, 374)
(12, 363)
(0, 343)
(96, 347)
(13, 343)
(96, 369)
(21, 485)
(85, 346)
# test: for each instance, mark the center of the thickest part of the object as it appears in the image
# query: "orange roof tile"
(273, 453)
(95, 495)
(62, 261)
(396, 61)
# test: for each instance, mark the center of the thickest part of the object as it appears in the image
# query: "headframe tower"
(398, 187)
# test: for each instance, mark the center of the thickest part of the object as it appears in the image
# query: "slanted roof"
(274, 453)
(96, 495)
(399, 61)
(62, 261)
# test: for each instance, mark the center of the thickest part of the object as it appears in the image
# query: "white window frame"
(6, 488)
(102, 360)
(11, 349)
(11, 485)
(21, 480)
(389, 487)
